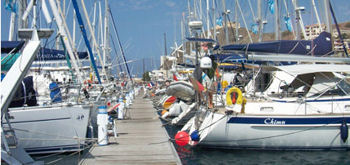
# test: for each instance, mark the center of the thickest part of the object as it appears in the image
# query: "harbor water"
(209, 156)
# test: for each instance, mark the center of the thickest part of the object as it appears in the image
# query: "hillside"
(286, 35)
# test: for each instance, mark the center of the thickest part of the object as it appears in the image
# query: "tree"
(146, 77)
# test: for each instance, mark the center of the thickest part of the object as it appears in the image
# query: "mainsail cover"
(320, 46)
(8, 46)
(54, 54)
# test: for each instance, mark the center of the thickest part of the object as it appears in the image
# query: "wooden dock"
(141, 140)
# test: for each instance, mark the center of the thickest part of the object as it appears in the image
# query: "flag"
(288, 23)
(219, 21)
(150, 84)
(174, 77)
(10, 6)
(254, 28)
(271, 4)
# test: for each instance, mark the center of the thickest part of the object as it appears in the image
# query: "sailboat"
(44, 128)
(296, 107)
(310, 111)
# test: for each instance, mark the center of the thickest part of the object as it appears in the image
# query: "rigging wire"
(120, 45)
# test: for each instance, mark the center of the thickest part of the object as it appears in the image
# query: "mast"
(22, 5)
(94, 42)
(208, 26)
(83, 31)
(236, 21)
(299, 20)
(63, 33)
(12, 26)
(100, 29)
(121, 47)
(245, 23)
(277, 21)
(225, 20)
(259, 21)
(65, 26)
(316, 13)
(200, 10)
(214, 20)
(106, 30)
(328, 16)
(74, 24)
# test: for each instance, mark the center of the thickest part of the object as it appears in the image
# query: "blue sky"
(142, 23)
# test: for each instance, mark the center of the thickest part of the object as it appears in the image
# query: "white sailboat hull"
(273, 132)
(50, 129)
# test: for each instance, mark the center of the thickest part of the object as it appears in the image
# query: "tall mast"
(277, 21)
(74, 24)
(200, 10)
(299, 21)
(225, 20)
(328, 16)
(214, 20)
(87, 43)
(259, 21)
(208, 26)
(121, 47)
(94, 42)
(100, 29)
(106, 49)
(65, 26)
(316, 13)
(12, 26)
(22, 5)
(236, 21)
(63, 33)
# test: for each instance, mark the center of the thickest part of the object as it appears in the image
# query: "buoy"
(182, 138)
(195, 136)
(344, 131)
(164, 111)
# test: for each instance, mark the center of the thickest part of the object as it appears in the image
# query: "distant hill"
(344, 26)
(286, 35)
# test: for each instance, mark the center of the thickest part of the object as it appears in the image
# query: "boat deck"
(141, 140)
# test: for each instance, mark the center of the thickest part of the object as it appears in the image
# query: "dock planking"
(141, 140)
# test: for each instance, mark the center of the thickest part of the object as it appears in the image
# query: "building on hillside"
(312, 31)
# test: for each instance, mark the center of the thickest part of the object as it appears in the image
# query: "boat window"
(344, 86)
(341, 89)
(263, 81)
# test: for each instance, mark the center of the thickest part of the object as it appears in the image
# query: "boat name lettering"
(272, 121)
(80, 117)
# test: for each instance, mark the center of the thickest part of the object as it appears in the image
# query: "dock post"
(102, 122)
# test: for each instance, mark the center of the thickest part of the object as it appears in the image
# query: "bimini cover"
(182, 90)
